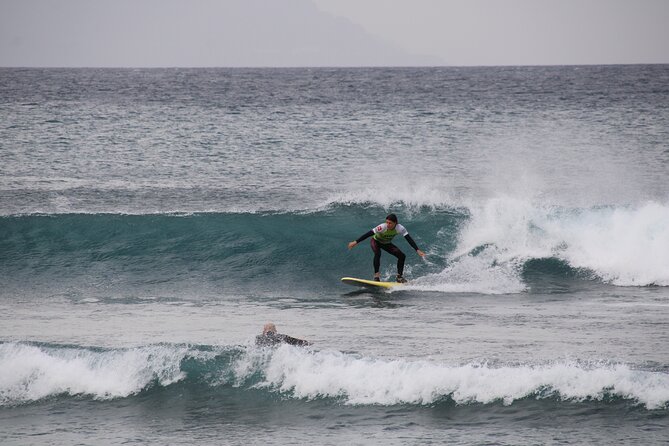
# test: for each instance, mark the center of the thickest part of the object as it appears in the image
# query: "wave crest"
(31, 372)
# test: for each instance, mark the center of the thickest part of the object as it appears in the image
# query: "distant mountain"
(160, 33)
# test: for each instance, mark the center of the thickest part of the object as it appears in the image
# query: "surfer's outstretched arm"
(413, 245)
(361, 238)
(294, 341)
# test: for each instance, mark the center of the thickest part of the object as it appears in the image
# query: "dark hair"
(392, 217)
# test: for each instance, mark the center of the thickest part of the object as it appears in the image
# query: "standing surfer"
(382, 236)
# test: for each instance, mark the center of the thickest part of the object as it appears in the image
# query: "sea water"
(151, 221)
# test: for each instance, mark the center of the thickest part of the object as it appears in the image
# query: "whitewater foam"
(360, 380)
(624, 246)
(30, 373)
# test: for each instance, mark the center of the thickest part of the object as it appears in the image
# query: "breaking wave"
(31, 372)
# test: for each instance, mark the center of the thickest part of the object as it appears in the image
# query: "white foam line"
(360, 380)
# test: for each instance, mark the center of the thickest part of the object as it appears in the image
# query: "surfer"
(382, 236)
(270, 337)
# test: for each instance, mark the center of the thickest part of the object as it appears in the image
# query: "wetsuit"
(271, 339)
(381, 240)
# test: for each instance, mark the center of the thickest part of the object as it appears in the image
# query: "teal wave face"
(226, 249)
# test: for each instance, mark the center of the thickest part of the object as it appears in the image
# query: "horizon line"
(262, 67)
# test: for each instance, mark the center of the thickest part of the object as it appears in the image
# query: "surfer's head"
(269, 328)
(391, 221)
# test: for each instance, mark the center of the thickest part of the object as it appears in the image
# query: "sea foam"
(624, 246)
(30, 373)
(362, 380)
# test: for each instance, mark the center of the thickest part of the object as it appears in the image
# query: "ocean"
(153, 220)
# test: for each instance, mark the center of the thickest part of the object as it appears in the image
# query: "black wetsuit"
(271, 339)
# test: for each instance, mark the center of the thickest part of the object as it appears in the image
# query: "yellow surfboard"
(369, 283)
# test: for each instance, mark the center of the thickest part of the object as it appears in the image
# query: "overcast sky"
(253, 33)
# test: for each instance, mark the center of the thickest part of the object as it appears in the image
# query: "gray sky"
(518, 32)
(331, 32)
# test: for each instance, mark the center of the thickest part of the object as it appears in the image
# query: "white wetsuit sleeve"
(401, 230)
(380, 228)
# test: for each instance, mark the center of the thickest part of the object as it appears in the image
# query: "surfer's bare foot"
(401, 279)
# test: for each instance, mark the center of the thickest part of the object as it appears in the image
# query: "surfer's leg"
(377, 257)
(397, 252)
